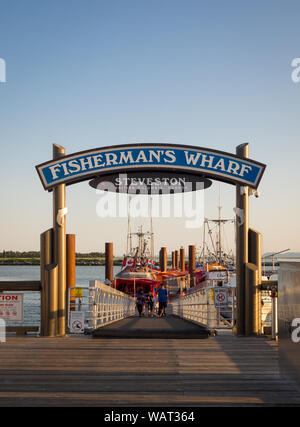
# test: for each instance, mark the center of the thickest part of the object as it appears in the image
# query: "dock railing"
(101, 305)
(203, 307)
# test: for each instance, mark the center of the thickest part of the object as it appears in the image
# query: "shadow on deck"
(170, 327)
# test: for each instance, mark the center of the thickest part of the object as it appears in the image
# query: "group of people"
(150, 301)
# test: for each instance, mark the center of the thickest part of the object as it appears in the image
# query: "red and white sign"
(12, 307)
(220, 296)
(77, 322)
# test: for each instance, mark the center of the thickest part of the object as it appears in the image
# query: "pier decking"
(82, 371)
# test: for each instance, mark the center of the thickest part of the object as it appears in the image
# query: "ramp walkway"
(169, 327)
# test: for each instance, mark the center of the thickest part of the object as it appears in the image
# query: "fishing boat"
(215, 266)
(139, 270)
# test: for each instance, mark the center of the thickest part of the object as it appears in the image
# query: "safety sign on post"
(77, 322)
(12, 307)
(221, 296)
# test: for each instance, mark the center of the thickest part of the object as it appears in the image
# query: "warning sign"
(221, 297)
(12, 307)
(77, 322)
(78, 292)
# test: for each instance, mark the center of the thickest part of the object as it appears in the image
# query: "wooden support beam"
(59, 243)
(21, 286)
(251, 300)
(242, 227)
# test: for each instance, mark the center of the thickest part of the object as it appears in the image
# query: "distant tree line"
(36, 254)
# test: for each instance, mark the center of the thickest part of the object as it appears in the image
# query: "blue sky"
(96, 73)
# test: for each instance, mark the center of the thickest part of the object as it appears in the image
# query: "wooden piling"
(163, 259)
(173, 260)
(176, 260)
(192, 264)
(182, 259)
(109, 262)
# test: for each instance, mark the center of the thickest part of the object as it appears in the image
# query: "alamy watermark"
(2, 71)
(157, 198)
(296, 332)
(2, 330)
(296, 72)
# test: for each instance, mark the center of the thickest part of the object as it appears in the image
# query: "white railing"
(101, 305)
(199, 307)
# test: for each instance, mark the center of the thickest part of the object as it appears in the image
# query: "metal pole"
(242, 226)
(59, 226)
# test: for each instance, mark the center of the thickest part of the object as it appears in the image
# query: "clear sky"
(93, 73)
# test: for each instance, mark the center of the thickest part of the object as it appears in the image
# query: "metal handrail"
(101, 305)
(199, 307)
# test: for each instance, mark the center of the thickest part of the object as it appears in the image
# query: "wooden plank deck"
(82, 371)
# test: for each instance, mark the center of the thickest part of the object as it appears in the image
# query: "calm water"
(32, 299)
(32, 272)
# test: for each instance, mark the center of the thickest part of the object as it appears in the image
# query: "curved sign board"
(172, 158)
(147, 182)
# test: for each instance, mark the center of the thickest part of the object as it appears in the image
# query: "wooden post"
(176, 260)
(255, 258)
(109, 262)
(46, 250)
(192, 264)
(59, 226)
(71, 269)
(163, 259)
(182, 259)
(251, 323)
(173, 261)
(53, 307)
(242, 227)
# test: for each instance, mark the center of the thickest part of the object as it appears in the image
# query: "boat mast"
(151, 230)
(129, 236)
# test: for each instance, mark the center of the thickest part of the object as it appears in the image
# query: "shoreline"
(78, 263)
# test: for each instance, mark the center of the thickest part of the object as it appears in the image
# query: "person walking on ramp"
(140, 301)
(163, 300)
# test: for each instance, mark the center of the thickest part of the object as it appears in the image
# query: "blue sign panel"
(151, 157)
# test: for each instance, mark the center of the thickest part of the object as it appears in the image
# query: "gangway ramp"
(170, 327)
